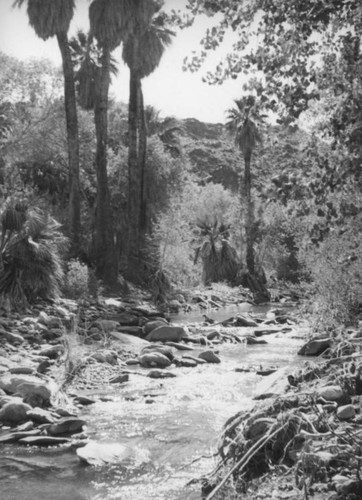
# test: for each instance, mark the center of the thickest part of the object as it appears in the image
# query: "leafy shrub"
(30, 254)
(336, 271)
(76, 280)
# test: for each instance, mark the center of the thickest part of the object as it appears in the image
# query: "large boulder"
(166, 334)
(34, 390)
(152, 325)
(315, 347)
(14, 413)
(34, 394)
(163, 349)
(154, 360)
(209, 357)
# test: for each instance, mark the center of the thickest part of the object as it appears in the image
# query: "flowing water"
(170, 428)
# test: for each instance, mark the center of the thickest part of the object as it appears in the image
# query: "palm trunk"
(143, 161)
(250, 261)
(134, 179)
(72, 141)
(104, 242)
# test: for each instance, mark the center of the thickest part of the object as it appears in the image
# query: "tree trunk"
(72, 141)
(250, 261)
(134, 179)
(104, 242)
(144, 223)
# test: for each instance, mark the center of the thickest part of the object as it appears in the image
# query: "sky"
(169, 89)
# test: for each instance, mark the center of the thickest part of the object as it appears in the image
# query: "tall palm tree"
(109, 22)
(142, 52)
(241, 122)
(48, 19)
(93, 67)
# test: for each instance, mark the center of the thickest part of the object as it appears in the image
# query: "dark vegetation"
(273, 195)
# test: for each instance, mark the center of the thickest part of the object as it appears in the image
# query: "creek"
(170, 428)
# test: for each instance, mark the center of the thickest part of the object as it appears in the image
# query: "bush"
(336, 271)
(31, 250)
(76, 280)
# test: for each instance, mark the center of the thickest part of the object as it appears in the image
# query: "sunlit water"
(171, 427)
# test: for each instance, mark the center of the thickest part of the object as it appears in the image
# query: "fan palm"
(142, 52)
(219, 259)
(48, 19)
(241, 123)
(30, 254)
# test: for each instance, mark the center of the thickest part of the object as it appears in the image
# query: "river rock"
(209, 357)
(186, 362)
(315, 347)
(52, 351)
(331, 393)
(214, 334)
(273, 385)
(160, 374)
(244, 321)
(34, 394)
(346, 412)
(40, 416)
(137, 331)
(154, 359)
(152, 325)
(13, 413)
(12, 437)
(66, 426)
(84, 400)
(254, 341)
(119, 379)
(22, 370)
(132, 342)
(163, 349)
(132, 361)
(31, 385)
(106, 356)
(43, 440)
(94, 453)
(166, 334)
(180, 347)
(199, 361)
(13, 338)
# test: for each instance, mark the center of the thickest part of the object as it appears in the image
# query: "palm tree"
(93, 65)
(142, 52)
(31, 246)
(241, 122)
(48, 19)
(110, 22)
(219, 259)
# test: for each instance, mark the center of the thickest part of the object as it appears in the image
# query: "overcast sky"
(169, 89)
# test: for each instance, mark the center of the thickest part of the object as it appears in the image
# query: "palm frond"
(48, 18)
